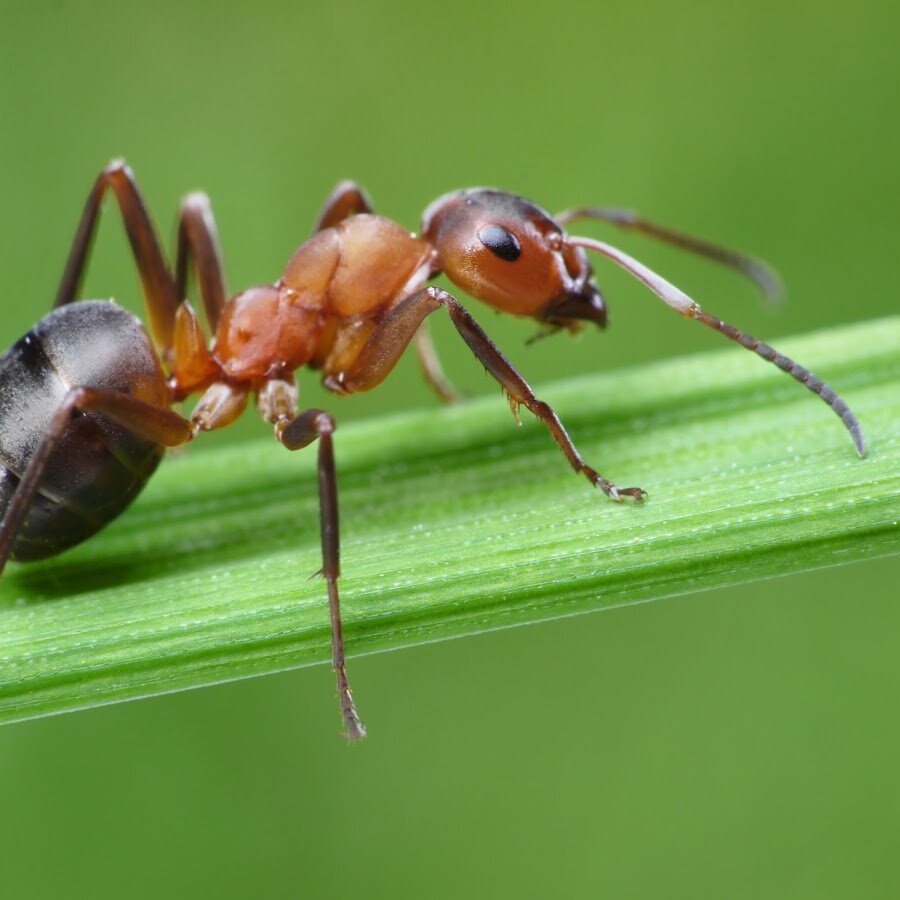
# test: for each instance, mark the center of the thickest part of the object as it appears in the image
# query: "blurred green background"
(739, 743)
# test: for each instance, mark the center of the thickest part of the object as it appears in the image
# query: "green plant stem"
(456, 522)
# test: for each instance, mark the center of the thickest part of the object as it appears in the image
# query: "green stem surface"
(455, 522)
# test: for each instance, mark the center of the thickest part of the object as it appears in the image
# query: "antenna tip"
(859, 440)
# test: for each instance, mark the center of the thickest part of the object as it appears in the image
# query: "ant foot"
(614, 493)
(355, 730)
(634, 493)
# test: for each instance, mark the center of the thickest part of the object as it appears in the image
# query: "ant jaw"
(583, 304)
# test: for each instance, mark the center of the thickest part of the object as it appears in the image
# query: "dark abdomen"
(99, 467)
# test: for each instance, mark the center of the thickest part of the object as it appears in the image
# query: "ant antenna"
(690, 309)
(764, 276)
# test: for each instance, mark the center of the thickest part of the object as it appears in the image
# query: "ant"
(85, 402)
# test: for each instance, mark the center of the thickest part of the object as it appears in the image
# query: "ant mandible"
(85, 405)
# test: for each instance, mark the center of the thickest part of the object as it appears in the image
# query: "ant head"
(513, 255)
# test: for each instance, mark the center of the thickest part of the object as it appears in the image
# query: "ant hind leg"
(156, 281)
(155, 423)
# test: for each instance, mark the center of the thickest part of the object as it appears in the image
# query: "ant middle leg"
(389, 339)
(156, 281)
(276, 402)
(198, 242)
(431, 368)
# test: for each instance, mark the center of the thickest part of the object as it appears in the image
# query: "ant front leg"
(349, 199)
(276, 403)
(154, 423)
(384, 347)
(156, 281)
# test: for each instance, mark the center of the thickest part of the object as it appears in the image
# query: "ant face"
(513, 255)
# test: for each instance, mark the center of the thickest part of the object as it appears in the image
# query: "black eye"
(500, 242)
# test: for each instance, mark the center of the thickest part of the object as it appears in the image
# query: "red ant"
(85, 406)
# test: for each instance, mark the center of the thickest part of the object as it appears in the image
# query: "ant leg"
(765, 277)
(155, 423)
(296, 433)
(193, 367)
(159, 289)
(385, 345)
(347, 199)
(198, 241)
(431, 368)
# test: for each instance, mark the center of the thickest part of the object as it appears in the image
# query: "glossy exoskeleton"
(86, 395)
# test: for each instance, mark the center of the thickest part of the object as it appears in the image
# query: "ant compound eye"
(500, 242)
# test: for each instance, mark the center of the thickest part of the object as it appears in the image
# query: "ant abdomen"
(99, 466)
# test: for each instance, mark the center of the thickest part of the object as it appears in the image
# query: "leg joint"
(441, 297)
(118, 169)
(305, 428)
(323, 422)
(195, 201)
